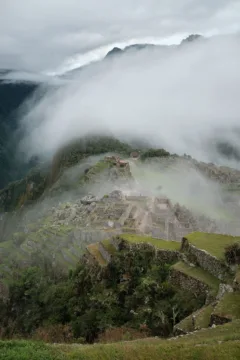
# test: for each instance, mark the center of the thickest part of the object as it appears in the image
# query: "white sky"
(42, 35)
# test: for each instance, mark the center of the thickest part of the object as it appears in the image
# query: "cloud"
(177, 97)
(41, 35)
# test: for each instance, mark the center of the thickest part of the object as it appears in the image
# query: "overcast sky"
(44, 34)
(177, 99)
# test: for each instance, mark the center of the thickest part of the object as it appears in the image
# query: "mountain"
(112, 242)
(12, 96)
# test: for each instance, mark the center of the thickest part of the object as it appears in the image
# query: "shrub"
(154, 153)
(232, 254)
(57, 333)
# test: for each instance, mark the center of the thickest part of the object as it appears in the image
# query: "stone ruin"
(155, 217)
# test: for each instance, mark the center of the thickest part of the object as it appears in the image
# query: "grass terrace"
(158, 243)
(108, 246)
(214, 244)
(202, 319)
(94, 251)
(229, 306)
(199, 274)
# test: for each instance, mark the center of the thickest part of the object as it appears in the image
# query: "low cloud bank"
(179, 98)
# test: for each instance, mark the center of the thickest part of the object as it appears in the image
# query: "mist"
(179, 98)
(176, 180)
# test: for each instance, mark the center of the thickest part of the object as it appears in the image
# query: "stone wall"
(206, 261)
(164, 256)
(167, 256)
(183, 281)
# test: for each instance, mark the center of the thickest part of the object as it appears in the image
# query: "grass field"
(215, 244)
(221, 343)
(199, 274)
(158, 243)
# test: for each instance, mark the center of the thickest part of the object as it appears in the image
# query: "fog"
(180, 98)
(177, 180)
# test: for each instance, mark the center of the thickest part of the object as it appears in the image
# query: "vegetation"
(131, 291)
(25, 350)
(78, 150)
(152, 153)
(232, 254)
(12, 96)
(221, 343)
(158, 243)
(25, 191)
(215, 244)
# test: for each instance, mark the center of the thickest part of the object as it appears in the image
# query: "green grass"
(199, 274)
(28, 350)
(94, 251)
(186, 324)
(221, 343)
(108, 246)
(214, 244)
(161, 244)
(202, 319)
(229, 306)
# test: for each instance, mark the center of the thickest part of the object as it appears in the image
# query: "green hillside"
(222, 343)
